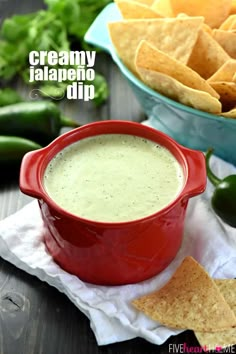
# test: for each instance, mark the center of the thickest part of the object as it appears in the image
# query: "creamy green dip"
(113, 178)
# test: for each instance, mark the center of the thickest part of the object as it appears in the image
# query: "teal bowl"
(190, 127)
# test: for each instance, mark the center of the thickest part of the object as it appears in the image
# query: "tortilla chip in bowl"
(172, 102)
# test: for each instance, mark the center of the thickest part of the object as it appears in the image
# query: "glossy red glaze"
(113, 253)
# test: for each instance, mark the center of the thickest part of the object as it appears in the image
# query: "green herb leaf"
(53, 29)
(101, 89)
(68, 11)
(16, 27)
(9, 96)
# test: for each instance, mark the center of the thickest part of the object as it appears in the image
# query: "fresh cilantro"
(63, 23)
(9, 96)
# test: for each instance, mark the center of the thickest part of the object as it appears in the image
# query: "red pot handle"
(30, 177)
(196, 176)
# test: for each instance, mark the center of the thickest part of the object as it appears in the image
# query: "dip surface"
(113, 178)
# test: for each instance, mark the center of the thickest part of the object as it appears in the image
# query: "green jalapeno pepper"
(39, 121)
(9, 96)
(224, 197)
(13, 148)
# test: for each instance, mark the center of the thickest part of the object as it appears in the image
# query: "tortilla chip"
(233, 26)
(226, 72)
(226, 25)
(207, 28)
(173, 89)
(227, 40)
(228, 290)
(233, 7)
(207, 55)
(229, 114)
(214, 11)
(226, 90)
(173, 36)
(190, 300)
(143, 2)
(135, 10)
(227, 338)
(234, 78)
(163, 7)
(148, 57)
(220, 340)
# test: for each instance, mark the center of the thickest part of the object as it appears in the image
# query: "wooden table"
(34, 317)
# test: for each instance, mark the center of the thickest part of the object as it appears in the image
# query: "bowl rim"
(47, 153)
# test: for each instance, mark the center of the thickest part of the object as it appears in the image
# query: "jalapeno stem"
(67, 122)
(212, 177)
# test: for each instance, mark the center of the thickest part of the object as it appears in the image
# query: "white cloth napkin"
(111, 315)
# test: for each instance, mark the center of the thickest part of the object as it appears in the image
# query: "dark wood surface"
(34, 317)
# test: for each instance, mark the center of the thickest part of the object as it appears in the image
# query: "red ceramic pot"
(120, 252)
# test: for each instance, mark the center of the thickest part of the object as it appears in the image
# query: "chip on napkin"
(226, 338)
(190, 300)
